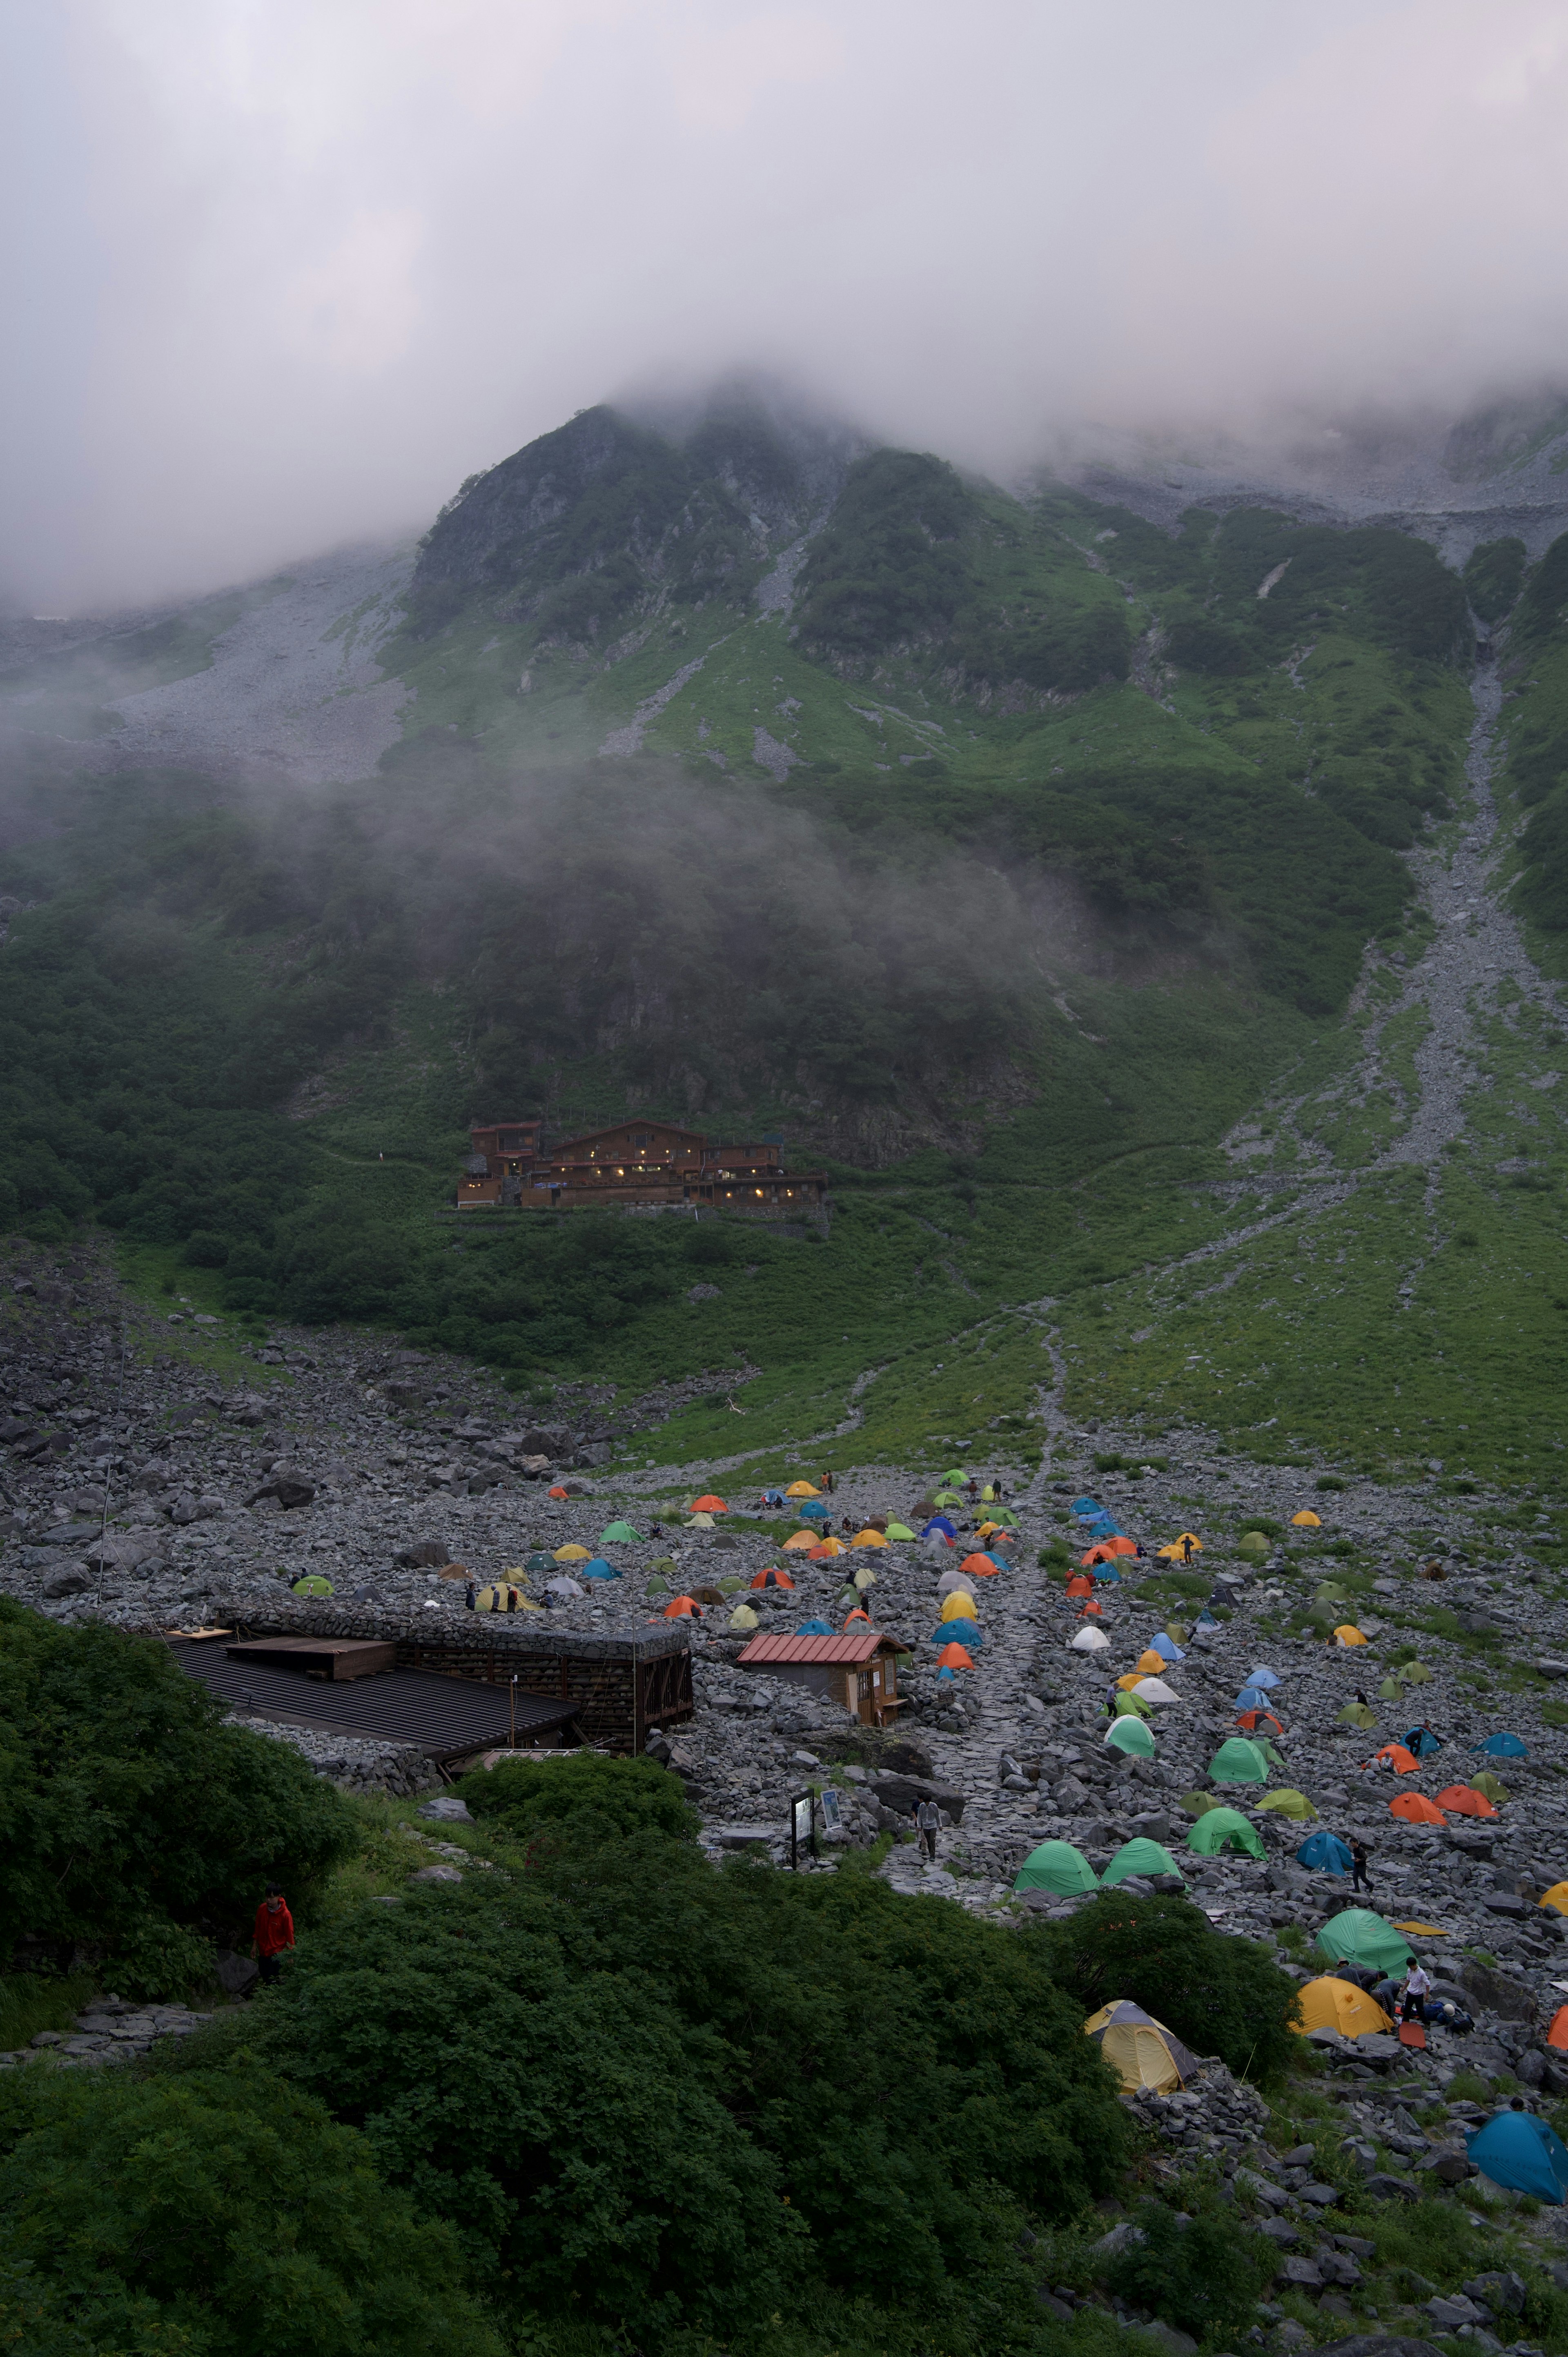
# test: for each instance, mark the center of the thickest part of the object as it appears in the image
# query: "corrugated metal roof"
(849, 1645)
(446, 1718)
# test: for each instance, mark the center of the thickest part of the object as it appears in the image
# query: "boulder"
(68, 1583)
(1498, 1992)
(547, 1440)
(900, 1794)
(436, 1874)
(425, 1555)
(236, 1973)
(446, 1809)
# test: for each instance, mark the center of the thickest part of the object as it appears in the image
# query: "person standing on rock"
(274, 1932)
(1359, 1878)
(1417, 1989)
(928, 1819)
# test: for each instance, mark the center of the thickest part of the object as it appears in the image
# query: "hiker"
(1186, 1550)
(1362, 1699)
(468, 1595)
(1359, 1878)
(928, 1818)
(274, 1932)
(1417, 1989)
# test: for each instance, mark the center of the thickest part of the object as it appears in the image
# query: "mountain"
(1104, 881)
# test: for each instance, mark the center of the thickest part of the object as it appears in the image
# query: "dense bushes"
(581, 1803)
(1219, 1996)
(132, 1820)
(1206, 2277)
(670, 2097)
(215, 2214)
(889, 566)
(1493, 572)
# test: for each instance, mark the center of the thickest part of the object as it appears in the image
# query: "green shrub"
(1206, 2277)
(581, 1801)
(1494, 571)
(1219, 1996)
(612, 2073)
(132, 1816)
(211, 2214)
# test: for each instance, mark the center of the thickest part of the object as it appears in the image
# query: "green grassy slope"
(1006, 868)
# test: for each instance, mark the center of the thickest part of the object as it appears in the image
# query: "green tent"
(1357, 1936)
(1130, 1734)
(1491, 1788)
(540, 1561)
(620, 1535)
(1391, 1690)
(1198, 1804)
(899, 1531)
(664, 1563)
(727, 1586)
(1219, 1829)
(1139, 1856)
(1239, 1762)
(1252, 1543)
(1056, 1865)
(313, 1584)
(656, 1584)
(1415, 1673)
(1332, 1593)
(1358, 1714)
(1287, 1802)
(1131, 1705)
(1177, 1631)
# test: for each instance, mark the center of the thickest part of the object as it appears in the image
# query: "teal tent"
(1521, 2154)
(1140, 1856)
(1219, 1829)
(1239, 1762)
(1130, 1736)
(1357, 1936)
(1056, 1865)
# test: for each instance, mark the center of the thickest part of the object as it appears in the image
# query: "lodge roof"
(849, 1645)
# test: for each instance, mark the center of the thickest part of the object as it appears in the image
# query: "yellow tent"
(1133, 1678)
(1347, 1634)
(1556, 1898)
(801, 1542)
(830, 1547)
(802, 1490)
(701, 1522)
(958, 1606)
(868, 1539)
(1307, 1519)
(864, 1578)
(1150, 1664)
(1141, 2051)
(573, 1553)
(1330, 2004)
(742, 1616)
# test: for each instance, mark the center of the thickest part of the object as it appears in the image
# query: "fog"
(279, 276)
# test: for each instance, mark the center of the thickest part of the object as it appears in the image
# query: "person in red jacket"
(274, 1932)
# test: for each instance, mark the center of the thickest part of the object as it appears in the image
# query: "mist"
(287, 274)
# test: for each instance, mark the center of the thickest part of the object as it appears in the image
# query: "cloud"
(289, 272)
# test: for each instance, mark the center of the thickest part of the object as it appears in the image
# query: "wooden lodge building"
(636, 1166)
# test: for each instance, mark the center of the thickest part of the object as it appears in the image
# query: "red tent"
(980, 1567)
(1416, 1809)
(1395, 1756)
(683, 1607)
(1465, 1802)
(1254, 1719)
(953, 1657)
(1079, 1586)
(772, 1579)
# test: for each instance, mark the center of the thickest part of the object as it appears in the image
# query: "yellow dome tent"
(958, 1606)
(1348, 1634)
(1141, 2051)
(1150, 1664)
(802, 1490)
(1307, 1519)
(1556, 1898)
(868, 1538)
(573, 1553)
(1330, 2003)
(801, 1542)
(1287, 1802)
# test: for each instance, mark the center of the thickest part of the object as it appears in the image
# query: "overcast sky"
(280, 273)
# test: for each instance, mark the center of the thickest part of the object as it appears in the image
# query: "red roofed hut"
(857, 1669)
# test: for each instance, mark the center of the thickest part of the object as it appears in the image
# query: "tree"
(1219, 1996)
(217, 2213)
(581, 1802)
(1206, 2276)
(132, 1815)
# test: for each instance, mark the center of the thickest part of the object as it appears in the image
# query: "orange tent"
(1558, 2034)
(772, 1579)
(557, 1491)
(682, 1608)
(1091, 1606)
(953, 1657)
(1395, 1756)
(1416, 1809)
(1254, 1719)
(857, 1615)
(708, 1504)
(1152, 1664)
(1465, 1802)
(825, 1550)
(801, 1542)
(1107, 1551)
(980, 1565)
(1079, 1586)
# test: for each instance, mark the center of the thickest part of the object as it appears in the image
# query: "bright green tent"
(1391, 1690)
(1056, 1865)
(899, 1531)
(1287, 1802)
(1140, 1856)
(620, 1535)
(1130, 1734)
(1489, 1787)
(1357, 1936)
(1239, 1762)
(1219, 1829)
(1415, 1673)
(1358, 1714)
(313, 1584)
(1131, 1705)
(1252, 1543)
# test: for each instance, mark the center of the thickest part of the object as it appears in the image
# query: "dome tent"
(1288, 1803)
(1130, 1736)
(1221, 1828)
(1240, 1761)
(1357, 1936)
(1325, 1853)
(1341, 2006)
(1523, 2155)
(1057, 1867)
(1141, 2051)
(1138, 1857)
(1502, 1745)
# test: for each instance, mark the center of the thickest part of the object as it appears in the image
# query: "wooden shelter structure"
(636, 1166)
(856, 1668)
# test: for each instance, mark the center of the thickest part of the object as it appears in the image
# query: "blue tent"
(1087, 1506)
(949, 1676)
(773, 1497)
(815, 1629)
(1261, 1676)
(1107, 1575)
(1422, 1742)
(1522, 2154)
(1325, 1853)
(1166, 1648)
(1206, 1619)
(1503, 1747)
(957, 1632)
(816, 1513)
(597, 1569)
(1252, 1698)
(939, 1523)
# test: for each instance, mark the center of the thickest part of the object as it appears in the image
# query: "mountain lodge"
(636, 1166)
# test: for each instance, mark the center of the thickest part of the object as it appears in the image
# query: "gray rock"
(436, 1874)
(1379, 2344)
(1304, 2273)
(1449, 2314)
(1053, 2306)
(67, 1582)
(1278, 2232)
(1503, 2292)
(1386, 2186)
(1121, 2237)
(704, 1293)
(446, 1809)
(236, 1973)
